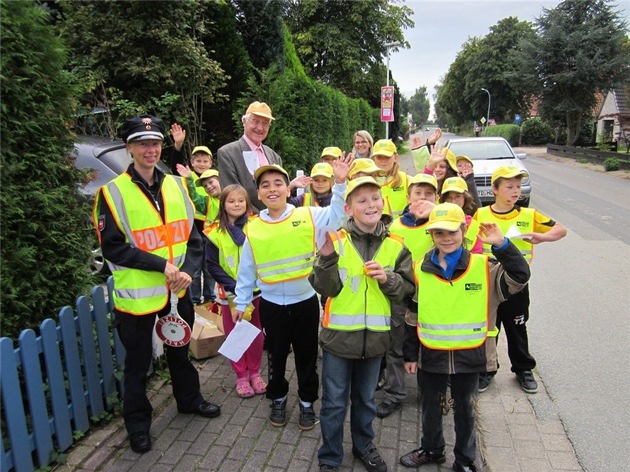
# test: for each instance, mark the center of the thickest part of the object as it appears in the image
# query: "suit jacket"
(232, 168)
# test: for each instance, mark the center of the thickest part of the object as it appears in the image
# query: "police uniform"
(138, 237)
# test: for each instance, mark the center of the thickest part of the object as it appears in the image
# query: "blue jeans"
(344, 379)
(208, 286)
(464, 392)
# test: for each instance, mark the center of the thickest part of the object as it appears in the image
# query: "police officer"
(144, 221)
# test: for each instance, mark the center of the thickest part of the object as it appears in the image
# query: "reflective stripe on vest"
(415, 238)
(283, 250)
(395, 198)
(139, 291)
(361, 304)
(522, 221)
(453, 314)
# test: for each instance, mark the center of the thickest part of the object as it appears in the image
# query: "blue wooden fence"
(52, 384)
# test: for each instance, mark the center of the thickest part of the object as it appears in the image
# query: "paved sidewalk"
(517, 432)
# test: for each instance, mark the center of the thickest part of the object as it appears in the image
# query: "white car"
(487, 154)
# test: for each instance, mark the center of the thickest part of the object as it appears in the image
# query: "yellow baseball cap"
(454, 184)
(275, 167)
(464, 158)
(507, 172)
(358, 182)
(260, 109)
(446, 216)
(384, 147)
(332, 151)
(367, 166)
(206, 175)
(422, 178)
(203, 149)
(451, 159)
(324, 169)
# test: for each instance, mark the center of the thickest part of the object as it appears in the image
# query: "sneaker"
(485, 379)
(386, 408)
(419, 457)
(306, 422)
(371, 459)
(527, 381)
(470, 467)
(278, 415)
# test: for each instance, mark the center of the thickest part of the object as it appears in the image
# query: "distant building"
(613, 119)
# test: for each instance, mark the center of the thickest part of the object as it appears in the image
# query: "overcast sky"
(442, 27)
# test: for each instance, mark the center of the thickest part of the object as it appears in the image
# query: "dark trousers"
(286, 325)
(513, 314)
(464, 392)
(136, 334)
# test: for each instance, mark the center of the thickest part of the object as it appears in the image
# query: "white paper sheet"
(239, 339)
(251, 161)
(320, 237)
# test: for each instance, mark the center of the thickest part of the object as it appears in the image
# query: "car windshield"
(482, 149)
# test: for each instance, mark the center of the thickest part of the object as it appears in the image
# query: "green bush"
(612, 163)
(535, 132)
(510, 132)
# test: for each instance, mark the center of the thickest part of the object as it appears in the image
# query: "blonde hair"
(365, 135)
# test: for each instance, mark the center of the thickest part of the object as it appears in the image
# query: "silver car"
(487, 154)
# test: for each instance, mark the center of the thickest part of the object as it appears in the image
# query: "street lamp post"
(488, 115)
(388, 46)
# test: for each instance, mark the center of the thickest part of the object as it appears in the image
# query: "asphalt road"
(580, 309)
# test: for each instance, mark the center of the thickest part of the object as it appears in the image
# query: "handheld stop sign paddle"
(172, 329)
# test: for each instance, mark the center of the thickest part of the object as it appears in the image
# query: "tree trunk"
(574, 123)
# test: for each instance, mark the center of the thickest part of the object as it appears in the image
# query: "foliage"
(578, 51)
(419, 106)
(534, 131)
(611, 164)
(146, 53)
(602, 143)
(488, 63)
(511, 133)
(44, 233)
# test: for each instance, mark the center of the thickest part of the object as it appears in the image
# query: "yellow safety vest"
(136, 291)
(395, 197)
(361, 304)
(471, 234)
(309, 200)
(212, 210)
(201, 191)
(453, 314)
(229, 251)
(278, 258)
(524, 222)
(415, 238)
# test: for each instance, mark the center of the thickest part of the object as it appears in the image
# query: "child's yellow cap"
(446, 216)
(464, 158)
(454, 184)
(332, 151)
(384, 147)
(358, 182)
(366, 166)
(206, 175)
(507, 172)
(203, 149)
(451, 159)
(422, 178)
(324, 169)
(275, 167)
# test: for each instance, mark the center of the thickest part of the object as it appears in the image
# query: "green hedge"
(534, 131)
(511, 133)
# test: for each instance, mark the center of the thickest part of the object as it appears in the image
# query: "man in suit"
(238, 160)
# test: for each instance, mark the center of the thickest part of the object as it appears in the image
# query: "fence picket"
(32, 368)
(90, 365)
(101, 314)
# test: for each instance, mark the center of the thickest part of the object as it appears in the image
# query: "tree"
(419, 106)
(45, 232)
(577, 52)
(151, 59)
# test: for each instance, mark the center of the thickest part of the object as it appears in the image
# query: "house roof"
(622, 100)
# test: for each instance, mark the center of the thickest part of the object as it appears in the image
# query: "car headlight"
(525, 180)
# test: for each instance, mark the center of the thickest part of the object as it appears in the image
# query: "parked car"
(106, 159)
(487, 154)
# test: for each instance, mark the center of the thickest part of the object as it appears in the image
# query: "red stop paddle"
(172, 329)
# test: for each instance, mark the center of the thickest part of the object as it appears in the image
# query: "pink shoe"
(258, 384)
(243, 389)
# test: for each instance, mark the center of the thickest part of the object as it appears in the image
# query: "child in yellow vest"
(458, 294)
(226, 236)
(277, 257)
(394, 185)
(411, 227)
(363, 272)
(455, 190)
(319, 188)
(531, 227)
